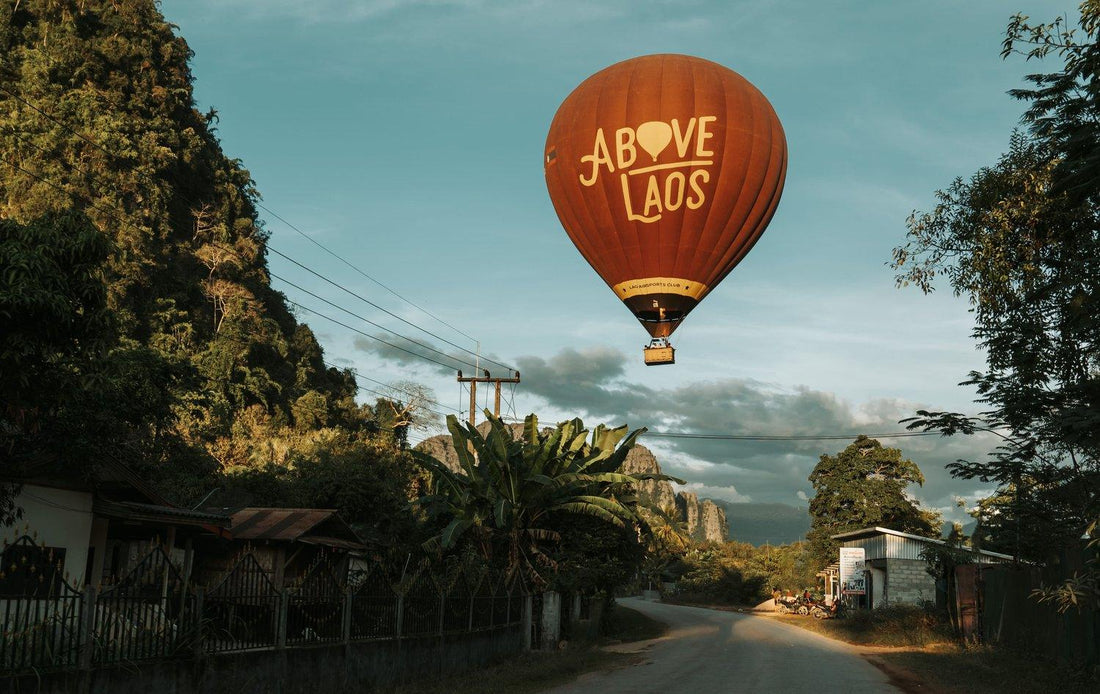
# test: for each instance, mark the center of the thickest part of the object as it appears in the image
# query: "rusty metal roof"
(293, 524)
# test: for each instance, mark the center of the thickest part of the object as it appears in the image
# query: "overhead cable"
(370, 322)
(131, 225)
(284, 221)
(372, 337)
(383, 310)
(360, 272)
(782, 437)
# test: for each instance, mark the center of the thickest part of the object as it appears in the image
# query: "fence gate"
(316, 606)
(147, 614)
(242, 610)
(40, 613)
(373, 606)
(422, 606)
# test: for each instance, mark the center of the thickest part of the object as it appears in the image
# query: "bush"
(896, 625)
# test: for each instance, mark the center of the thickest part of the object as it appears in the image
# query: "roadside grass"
(538, 671)
(899, 625)
(955, 669)
(929, 659)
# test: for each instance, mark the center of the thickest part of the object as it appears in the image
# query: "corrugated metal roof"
(893, 544)
(292, 524)
(169, 515)
(286, 524)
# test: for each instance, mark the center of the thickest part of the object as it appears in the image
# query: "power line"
(358, 374)
(383, 310)
(384, 395)
(368, 335)
(125, 222)
(780, 437)
(293, 303)
(356, 269)
(258, 204)
(773, 437)
(370, 322)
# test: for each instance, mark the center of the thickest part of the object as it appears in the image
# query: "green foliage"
(1064, 103)
(720, 573)
(738, 573)
(863, 486)
(508, 492)
(1082, 590)
(140, 323)
(53, 308)
(593, 557)
(1021, 240)
(787, 567)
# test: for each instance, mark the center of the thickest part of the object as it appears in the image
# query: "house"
(94, 530)
(286, 542)
(895, 572)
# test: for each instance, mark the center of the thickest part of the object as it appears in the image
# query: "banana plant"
(506, 490)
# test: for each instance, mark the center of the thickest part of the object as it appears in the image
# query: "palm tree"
(506, 490)
(667, 531)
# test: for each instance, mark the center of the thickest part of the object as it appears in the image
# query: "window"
(30, 571)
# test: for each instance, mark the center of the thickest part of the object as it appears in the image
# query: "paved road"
(711, 652)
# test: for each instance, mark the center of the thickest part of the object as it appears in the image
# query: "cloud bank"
(592, 383)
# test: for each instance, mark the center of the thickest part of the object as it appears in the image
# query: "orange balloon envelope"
(664, 171)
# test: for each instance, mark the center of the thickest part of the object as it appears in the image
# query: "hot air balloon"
(664, 171)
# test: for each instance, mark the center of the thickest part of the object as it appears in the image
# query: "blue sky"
(407, 137)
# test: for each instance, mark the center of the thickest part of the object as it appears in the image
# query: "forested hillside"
(143, 325)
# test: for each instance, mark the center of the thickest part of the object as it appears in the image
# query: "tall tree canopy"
(864, 486)
(214, 377)
(1021, 240)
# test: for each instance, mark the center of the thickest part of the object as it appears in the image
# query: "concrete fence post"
(345, 622)
(400, 615)
(442, 610)
(551, 620)
(284, 611)
(196, 646)
(87, 628)
(528, 622)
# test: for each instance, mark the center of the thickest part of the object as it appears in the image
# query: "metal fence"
(152, 612)
(1006, 611)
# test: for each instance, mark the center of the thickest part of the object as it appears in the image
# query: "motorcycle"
(787, 605)
(823, 611)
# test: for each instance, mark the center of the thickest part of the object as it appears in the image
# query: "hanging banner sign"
(851, 571)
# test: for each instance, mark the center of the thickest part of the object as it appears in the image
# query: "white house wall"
(58, 518)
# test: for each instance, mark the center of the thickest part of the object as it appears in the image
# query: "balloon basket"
(659, 352)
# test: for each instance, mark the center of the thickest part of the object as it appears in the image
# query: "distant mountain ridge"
(765, 523)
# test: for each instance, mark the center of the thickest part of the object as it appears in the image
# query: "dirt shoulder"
(939, 666)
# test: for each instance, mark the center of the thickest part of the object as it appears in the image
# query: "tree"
(204, 370)
(53, 309)
(864, 486)
(1021, 240)
(405, 407)
(507, 492)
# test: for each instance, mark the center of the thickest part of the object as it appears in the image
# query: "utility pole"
(487, 378)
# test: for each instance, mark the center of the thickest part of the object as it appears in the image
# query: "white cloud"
(726, 493)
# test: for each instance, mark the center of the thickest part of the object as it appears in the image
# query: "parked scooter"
(823, 611)
(787, 604)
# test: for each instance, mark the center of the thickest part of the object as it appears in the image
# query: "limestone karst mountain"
(704, 520)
